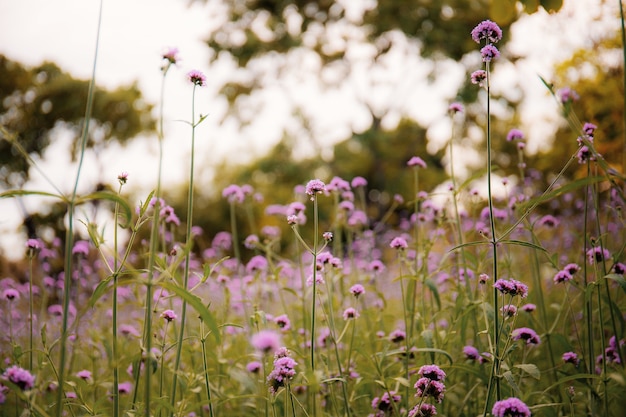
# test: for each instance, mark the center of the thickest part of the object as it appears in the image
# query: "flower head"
(426, 387)
(471, 352)
(455, 107)
(350, 313)
(478, 77)
(511, 287)
(432, 372)
(283, 322)
(511, 407)
(416, 161)
(171, 55)
(169, 315)
(122, 177)
(489, 53)
(514, 134)
(567, 95)
(283, 372)
(526, 334)
(597, 254)
(423, 410)
(10, 294)
(84, 375)
(254, 367)
(488, 30)
(20, 377)
(571, 357)
(357, 290)
(197, 78)
(315, 187)
(266, 341)
(398, 243)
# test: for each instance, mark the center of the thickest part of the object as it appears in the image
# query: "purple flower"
(169, 315)
(20, 377)
(398, 243)
(124, 388)
(358, 182)
(589, 128)
(315, 187)
(526, 334)
(357, 289)
(266, 341)
(597, 255)
(197, 78)
(571, 268)
(549, 221)
(283, 322)
(487, 30)
(489, 53)
(432, 372)
(514, 134)
(84, 375)
(283, 372)
(416, 161)
(350, 313)
(257, 263)
(478, 77)
(455, 108)
(327, 236)
(529, 308)
(234, 194)
(397, 336)
(471, 352)
(429, 388)
(619, 268)
(33, 245)
(511, 287)
(571, 357)
(171, 55)
(10, 294)
(122, 177)
(254, 367)
(81, 247)
(383, 403)
(509, 310)
(511, 407)
(423, 410)
(562, 276)
(567, 95)
(128, 330)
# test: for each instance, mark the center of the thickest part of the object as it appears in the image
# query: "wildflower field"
(459, 303)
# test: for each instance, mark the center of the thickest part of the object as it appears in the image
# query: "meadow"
(459, 303)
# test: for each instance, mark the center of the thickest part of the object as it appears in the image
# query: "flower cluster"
(20, 377)
(527, 335)
(384, 405)
(511, 287)
(283, 372)
(430, 383)
(511, 407)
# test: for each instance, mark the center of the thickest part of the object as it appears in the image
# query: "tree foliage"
(38, 100)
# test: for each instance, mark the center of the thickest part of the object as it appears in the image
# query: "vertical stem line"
(69, 234)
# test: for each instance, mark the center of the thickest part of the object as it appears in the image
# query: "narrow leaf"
(196, 303)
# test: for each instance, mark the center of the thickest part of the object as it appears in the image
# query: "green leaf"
(195, 302)
(566, 188)
(530, 369)
(113, 197)
(100, 290)
(508, 377)
(433, 288)
(21, 193)
(619, 279)
(523, 243)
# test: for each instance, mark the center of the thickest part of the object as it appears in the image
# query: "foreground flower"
(487, 30)
(426, 387)
(423, 410)
(383, 404)
(20, 377)
(432, 372)
(315, 187)
(197, 78)
(527, 335)
(478, 77)
(511, 407)
(283, 372)
(511, 287)
(171, 55)
(489, 53)
(168, 315)
(416, 161)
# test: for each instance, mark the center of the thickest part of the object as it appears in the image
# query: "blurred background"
(295, 90)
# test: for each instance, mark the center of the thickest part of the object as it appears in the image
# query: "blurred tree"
(38, 100)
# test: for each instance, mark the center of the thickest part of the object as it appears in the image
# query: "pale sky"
(135, 33)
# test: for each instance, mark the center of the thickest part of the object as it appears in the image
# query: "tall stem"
(183, 315)
(69, 235)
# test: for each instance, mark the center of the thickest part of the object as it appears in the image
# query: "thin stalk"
(69, 235)
(313, 301)
(207, 386)
(183, 315)
(494, 250)
(30, 311)
(115, 393)
(623, 31)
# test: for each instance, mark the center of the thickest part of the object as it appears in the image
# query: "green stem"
(207, 386)
(183, 315)
(69, 235)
